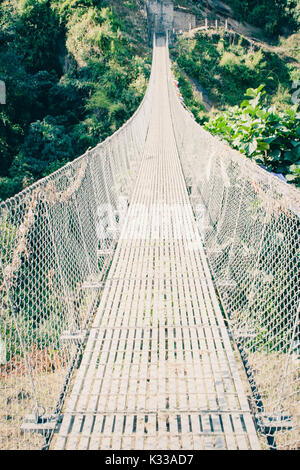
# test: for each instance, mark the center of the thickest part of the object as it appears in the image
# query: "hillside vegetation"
(275, 17)
(75, 71)
(232, 72)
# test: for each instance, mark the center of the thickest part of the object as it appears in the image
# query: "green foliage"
(37, 35)
(131, 5)
(192, 6)
(226, 68)
(37, 322)
(271, 15)
(46, 142)
(291, 45)
(73, 74)
(193, 103)
(269, 137)
(95, 32)
(268, 132)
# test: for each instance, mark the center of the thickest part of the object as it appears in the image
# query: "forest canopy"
(75, 71)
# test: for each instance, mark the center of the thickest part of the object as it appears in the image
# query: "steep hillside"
(219, 70)
(261, 18)
(226, 64)
(75, 71)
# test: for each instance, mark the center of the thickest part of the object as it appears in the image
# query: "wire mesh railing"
(57, 240)
(249, 223)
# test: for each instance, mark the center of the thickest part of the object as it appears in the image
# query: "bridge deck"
(158, 371)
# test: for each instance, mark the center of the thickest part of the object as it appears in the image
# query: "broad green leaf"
(263, 145)
(245, 103)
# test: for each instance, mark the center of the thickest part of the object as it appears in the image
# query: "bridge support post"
(269, 425)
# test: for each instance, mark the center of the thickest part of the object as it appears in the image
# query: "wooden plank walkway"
(158, 371)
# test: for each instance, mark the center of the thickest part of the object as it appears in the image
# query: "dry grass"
(17, 398)
(279, 387)
(269, 371)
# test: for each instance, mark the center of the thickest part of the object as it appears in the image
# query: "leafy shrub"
(269, 137)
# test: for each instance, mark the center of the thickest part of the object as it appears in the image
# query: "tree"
(46, 146)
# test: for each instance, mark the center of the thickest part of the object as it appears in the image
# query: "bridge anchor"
(269, 425)
(41, 424)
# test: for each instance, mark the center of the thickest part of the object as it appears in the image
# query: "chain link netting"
(249, 223)
(57, 240)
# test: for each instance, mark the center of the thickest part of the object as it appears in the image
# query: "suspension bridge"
(149, 294)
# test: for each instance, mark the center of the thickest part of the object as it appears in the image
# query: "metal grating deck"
(158, 371)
